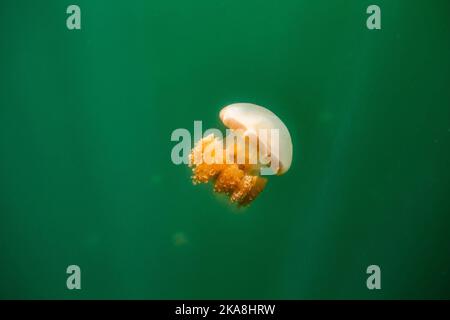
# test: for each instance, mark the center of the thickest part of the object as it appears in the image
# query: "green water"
(85, 170)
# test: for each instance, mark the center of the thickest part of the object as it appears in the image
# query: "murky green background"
(85, 170)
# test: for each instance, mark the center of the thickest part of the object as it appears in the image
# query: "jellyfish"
(239, 163)
(179, 239)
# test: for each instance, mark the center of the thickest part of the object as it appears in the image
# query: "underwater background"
(86, 176)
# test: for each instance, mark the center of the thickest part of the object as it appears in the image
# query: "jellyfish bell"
(257, 143)
(257, 121)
